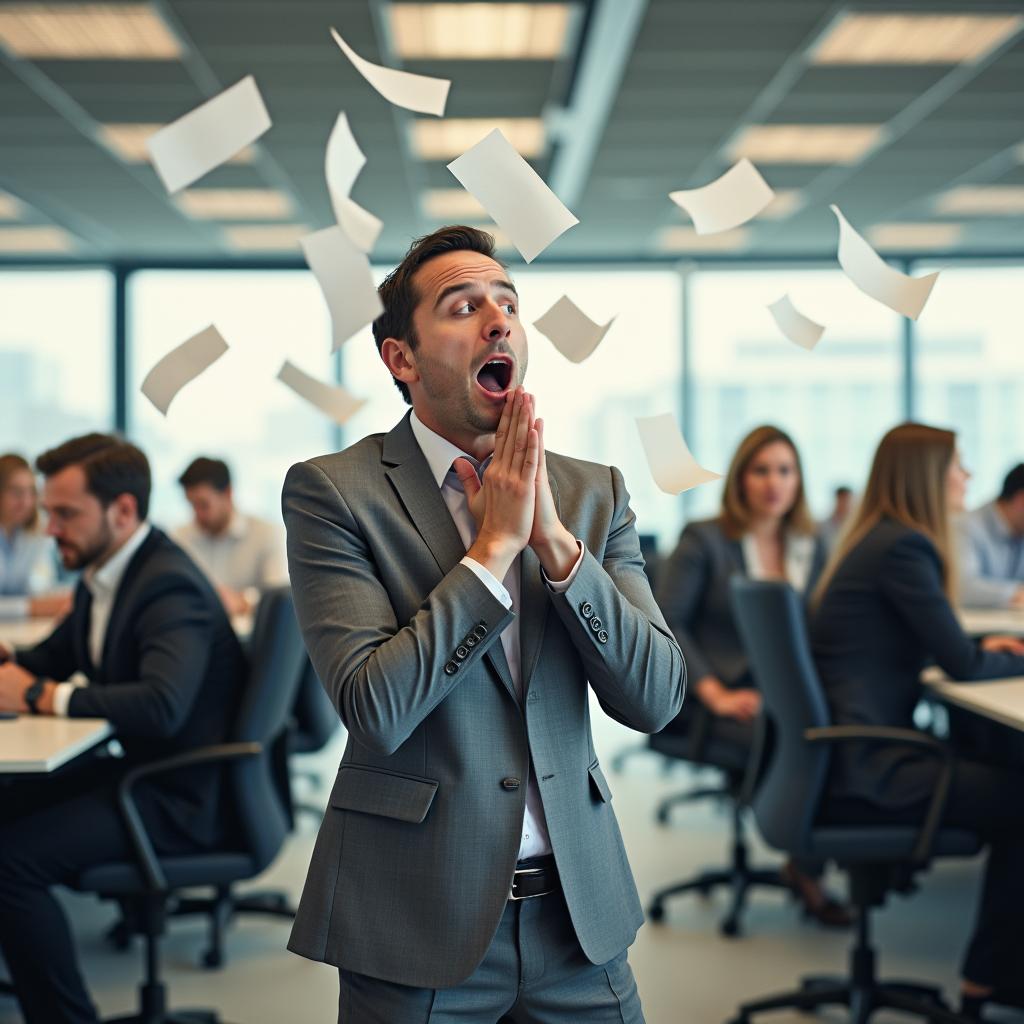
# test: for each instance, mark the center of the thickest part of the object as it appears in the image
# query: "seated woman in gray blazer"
(764, 530)
(880, 614)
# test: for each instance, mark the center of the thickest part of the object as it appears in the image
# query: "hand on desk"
(50, 606)
(1006, 644)
(14, 681)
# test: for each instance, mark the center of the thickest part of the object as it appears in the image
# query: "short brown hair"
(398, 295)
(112, 467)
(10, 464)
(205, 470)
(735, 515)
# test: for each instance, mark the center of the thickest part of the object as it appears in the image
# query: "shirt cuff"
(62, 694)
(561, 586)
(489, 580)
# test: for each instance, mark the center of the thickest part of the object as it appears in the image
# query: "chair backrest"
(772, 624)
(276, 660)
(314, 718)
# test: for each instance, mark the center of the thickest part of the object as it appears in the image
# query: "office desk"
(28, 632)
(981, 621)
(1002, 700)
(42, 743)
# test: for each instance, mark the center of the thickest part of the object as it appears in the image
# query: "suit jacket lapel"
(82, 613)
(417, 489)
(117, 610)
(535, 602)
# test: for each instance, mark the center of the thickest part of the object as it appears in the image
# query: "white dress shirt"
(440, 454)
(102, 583)
(798, 559)
(28, 567)
(248, 555)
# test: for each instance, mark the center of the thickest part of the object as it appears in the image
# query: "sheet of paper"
(800, 330)
(182, 365)
(343, 273)
(336, 402)
(673, 467)
(874, 277)
(731, 200)
(343, 161)
(570, 330)
(361, 226)
(204, 138)
(513, 193)
(420, 93)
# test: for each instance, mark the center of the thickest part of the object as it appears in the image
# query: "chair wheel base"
(656, 912)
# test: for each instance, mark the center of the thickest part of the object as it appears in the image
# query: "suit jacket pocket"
(599, 782)
(378, 791)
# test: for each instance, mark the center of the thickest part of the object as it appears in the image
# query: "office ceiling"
(649, 96)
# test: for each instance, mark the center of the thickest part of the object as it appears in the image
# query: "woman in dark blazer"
(880, 614)
(764, 530)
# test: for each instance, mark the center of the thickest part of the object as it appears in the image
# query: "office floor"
(686, 972)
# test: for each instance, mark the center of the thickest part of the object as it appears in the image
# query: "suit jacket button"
(586, 609)
(480, 631)
(511, 784)
(461, 652)
(451, 668)
(470, 641)
(602, 636)
(596, 624)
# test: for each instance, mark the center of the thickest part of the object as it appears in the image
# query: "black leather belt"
(536, 876)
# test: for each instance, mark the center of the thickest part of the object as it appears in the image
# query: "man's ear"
(400, 359)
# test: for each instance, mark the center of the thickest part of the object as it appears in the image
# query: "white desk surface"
(998, 699)
(28, 632)
(42, 743)
(979, 621)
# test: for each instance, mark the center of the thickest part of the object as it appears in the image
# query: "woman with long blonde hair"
(764, 530)
(881, 613)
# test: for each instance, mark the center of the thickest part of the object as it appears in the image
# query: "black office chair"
(738, 769)
(314, 722)
(147, 886)
(877, 859)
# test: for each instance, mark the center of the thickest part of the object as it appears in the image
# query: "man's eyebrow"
(454, 289)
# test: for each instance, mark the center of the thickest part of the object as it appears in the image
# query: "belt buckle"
(526, 871)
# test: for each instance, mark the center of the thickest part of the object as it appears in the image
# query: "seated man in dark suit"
(147, 646)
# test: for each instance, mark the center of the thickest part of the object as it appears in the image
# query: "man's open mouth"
(495, 375)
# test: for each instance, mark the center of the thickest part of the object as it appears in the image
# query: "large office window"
(836, 401)
(237, 409)
(969, 362)
(588, 409)
(56, 356)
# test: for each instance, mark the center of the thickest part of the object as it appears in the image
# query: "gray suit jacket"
(414, 860)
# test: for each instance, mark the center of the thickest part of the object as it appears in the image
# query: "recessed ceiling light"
(265, 237)
(806, 143)
(53, 31)
(443, 140)
(683, 238)
(910, 236)
(982, 200)
(786, 202)
(35, 238)
(480, 31)
(235, 204)
(10, 208)
(889, 38)
(451, 204)
(128, 141)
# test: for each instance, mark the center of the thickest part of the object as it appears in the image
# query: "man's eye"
(466, 307)
(511, 307)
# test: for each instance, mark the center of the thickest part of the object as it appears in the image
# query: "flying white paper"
(571, 331)
(513, 193)
(414, 92)
(182, 365)
(343, 273)
(343, 161)
(673, 467)
(874, 277)
(361, 226)
(800, 330)
(736, 197)
(334, 401)
(204, 138)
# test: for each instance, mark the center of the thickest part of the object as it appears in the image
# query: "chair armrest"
(145, 854)
(922, 851)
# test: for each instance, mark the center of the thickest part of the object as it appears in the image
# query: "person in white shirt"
(242, 555)
(28, 559)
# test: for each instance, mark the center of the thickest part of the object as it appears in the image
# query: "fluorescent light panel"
(806, 143)
(910, 236)
(451, 204)
(443, 140)
(866, 38)
(10, 208)
(265, 237)
(982, 200)
(235, 204)
(683, 238)
(479, 31)
(785, 204)
(86, 32)
(128, 141)
(35, 238)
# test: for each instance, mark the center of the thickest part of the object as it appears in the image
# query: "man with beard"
(458, 588)
(146, 646)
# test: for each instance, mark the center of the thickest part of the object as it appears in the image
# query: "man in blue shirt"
(992, 549)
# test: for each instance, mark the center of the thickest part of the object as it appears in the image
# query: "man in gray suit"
(458, 588)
